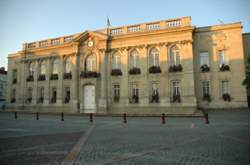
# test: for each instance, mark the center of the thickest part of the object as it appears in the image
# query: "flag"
(108, 22)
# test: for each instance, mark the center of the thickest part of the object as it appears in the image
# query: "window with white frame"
(67, 65)
(225, 87)
(31, 69)
(174, 56)
(222, 58)
(175, 88)
(134, 59)
(154, 89)
(43, 68)
(117, 90)
(55, 66)
(13, 93)
(154, 57)
(205, 88)
(116, 61)
(204, 60)
(90, 63)
(41, 92)
(135, 90)
(30, 93)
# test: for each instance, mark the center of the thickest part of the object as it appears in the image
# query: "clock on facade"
(90, 43)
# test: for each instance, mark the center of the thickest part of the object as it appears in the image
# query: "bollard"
(37, 115)
(91, 117)
(163, 118)
(206, 118)
(62, 116)
(124, 118)
(15, 115)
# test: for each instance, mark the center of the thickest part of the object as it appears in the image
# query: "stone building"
(3, 84)
(165, 66)
(246, 45)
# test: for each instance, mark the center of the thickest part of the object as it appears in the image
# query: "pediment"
(90, 34)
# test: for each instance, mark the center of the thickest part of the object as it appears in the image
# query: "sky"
(24, 21)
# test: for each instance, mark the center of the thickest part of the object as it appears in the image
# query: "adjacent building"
(3, 86)
(167, 66)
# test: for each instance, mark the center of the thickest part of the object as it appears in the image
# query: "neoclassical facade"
(159, 67)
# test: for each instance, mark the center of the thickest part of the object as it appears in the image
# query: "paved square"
(143, 140)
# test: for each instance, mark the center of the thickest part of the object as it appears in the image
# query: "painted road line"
(70, 158)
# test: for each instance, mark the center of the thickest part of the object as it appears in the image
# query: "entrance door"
(89, 99)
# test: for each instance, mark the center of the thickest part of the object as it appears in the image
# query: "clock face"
(90, 43)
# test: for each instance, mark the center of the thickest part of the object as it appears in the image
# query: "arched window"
(153, 57)
(175, 56)
(90, 64)
(67, 66)
(55, 66)
(43, 68)
(116, 61)
(134, 59)
(31, 69)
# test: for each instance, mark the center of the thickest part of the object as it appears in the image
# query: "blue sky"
(30, 20)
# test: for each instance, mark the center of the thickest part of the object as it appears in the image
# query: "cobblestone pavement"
(142, 141)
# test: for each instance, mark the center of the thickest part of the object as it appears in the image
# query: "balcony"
(165, 24)
(175, 68)
(41, 77)
(67, 76)
(54, 77)
(154, 69)
(89, 74)
(224, 67)
(135, 71)
(205, 68)
(116, 72)
(30, 78)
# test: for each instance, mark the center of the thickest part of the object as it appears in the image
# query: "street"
(141, 141)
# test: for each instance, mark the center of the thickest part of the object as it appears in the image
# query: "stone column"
(35, 86)
(143, 83)
(124, 86)
(164, 80)
(59, 99)
(104, 71)
(47, 83)
(21, 78)
(74, 85)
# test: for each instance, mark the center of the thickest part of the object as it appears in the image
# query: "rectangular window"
(116, 90)
(222, 58)
(204, 60)
(205, 87)
(116, 93)
(135, 90)
(176, 88)
(225, 87)
(41, 92)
